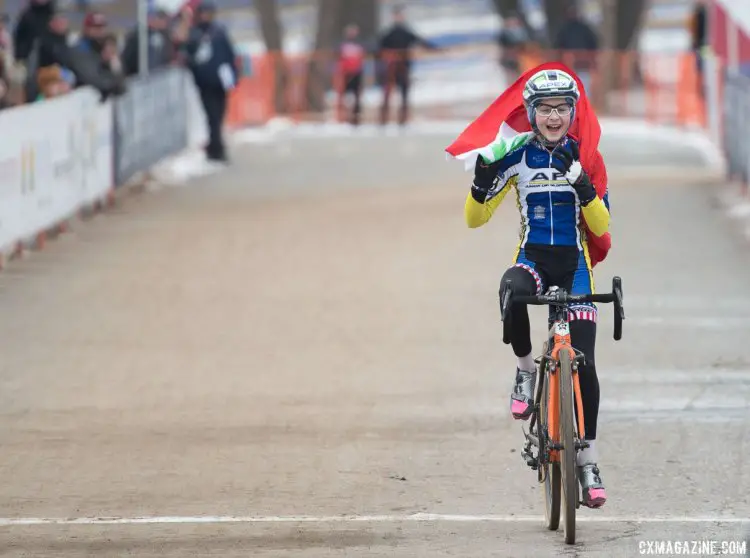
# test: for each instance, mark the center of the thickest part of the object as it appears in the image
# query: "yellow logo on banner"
(28, 166)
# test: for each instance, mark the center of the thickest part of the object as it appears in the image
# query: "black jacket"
(207, 50)
(401, 39)
(32, 24)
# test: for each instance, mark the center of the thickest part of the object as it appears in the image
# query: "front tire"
(568, 453)
(552, 478)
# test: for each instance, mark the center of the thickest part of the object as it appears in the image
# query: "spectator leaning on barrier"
(352, 53)
(96, 39)
(211, 58)
(160, 47)
(93, 33)
(78, 67)
(50, 48)
(51, 83)
(394, 53)
(111, 57)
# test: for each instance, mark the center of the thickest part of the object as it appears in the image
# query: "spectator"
(51, 83)
(5, 97)
(512, 39)
(5, 101)
(93, 33)
(395, 55)
(6, 42)
(578, 42)
(54, 43)
(160, 48)
(212, 60)
(84, 68)
(699, 35)
(111, 57)
(181, 27)
(351, 66)
(33, 22)
(49, 48)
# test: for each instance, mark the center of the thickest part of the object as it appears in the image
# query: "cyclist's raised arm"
(491, 183)
(566, 159)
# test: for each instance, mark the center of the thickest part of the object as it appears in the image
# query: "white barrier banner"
(55, 157)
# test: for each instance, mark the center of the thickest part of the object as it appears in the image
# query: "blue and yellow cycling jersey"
(553, 245)
(551, 213)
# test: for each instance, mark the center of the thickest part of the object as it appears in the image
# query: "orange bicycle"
(556, 428)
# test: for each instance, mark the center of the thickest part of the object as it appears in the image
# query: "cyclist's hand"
(485, 175)
(566, 159)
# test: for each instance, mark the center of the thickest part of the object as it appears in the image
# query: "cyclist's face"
(553, 118)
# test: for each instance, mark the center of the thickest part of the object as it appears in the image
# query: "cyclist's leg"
(526, 281)
(583, 337)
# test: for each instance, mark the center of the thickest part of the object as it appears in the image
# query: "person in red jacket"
(352, 54)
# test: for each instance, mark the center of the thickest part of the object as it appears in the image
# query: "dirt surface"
(314, 332)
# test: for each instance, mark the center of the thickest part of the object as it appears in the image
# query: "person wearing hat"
(79, 67)
(211, 58)
(93, 32)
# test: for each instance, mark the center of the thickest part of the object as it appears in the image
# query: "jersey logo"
(543, 176)
(539, 213)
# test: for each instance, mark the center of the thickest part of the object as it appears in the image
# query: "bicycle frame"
(559, 335)
(559, 340)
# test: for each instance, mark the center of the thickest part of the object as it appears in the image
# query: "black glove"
(566, 161)
(485, 175)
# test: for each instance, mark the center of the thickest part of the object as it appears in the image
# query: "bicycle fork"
(547, 447)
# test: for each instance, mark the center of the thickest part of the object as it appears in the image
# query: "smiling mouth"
(554, 127)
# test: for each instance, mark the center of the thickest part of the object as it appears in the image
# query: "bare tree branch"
(270, 26)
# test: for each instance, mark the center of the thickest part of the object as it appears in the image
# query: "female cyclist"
(554, 195)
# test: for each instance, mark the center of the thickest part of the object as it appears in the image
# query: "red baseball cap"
(95, 19)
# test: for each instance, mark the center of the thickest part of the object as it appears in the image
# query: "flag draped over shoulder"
(507, 117)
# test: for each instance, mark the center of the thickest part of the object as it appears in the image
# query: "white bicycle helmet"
(550, 83)
(546, 84)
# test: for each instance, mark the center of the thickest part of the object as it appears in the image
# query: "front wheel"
(550, 470)
(568, 453)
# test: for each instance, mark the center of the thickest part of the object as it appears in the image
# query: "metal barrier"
(150, 122)
(68, 154)
(736, 115)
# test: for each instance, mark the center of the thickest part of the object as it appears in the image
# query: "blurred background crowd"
(50, 47)
(348, 59)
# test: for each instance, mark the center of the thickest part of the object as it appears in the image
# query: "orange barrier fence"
(663, 88)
